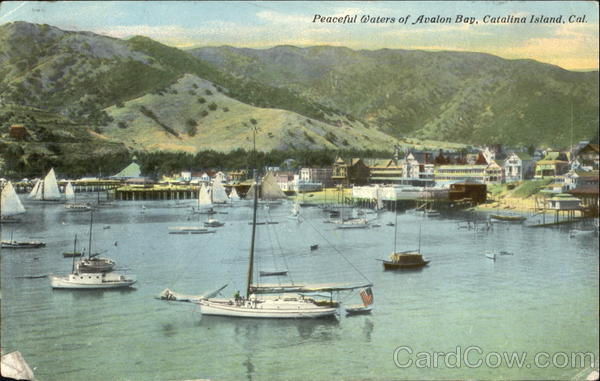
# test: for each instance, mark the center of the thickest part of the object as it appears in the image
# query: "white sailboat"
(71, 204)
(47, 189)
(219, 195)
(280, 304)
(35, 189)
(233, 195)
(10, 205)
(269, 191)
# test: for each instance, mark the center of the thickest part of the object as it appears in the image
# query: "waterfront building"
(587, 156)
(552, 165)
(480, 171)
(354, 171)
(417, 169)
(578, 178)
(385, 171)
(518, 166)
(316, 175)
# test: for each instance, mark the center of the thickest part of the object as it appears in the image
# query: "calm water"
(544, 298)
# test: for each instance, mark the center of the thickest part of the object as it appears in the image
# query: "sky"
(571, 43)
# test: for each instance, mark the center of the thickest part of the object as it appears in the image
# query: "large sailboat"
(10, 205)
(269, 191)
(46, 189)
(278, 301)
(218, 194)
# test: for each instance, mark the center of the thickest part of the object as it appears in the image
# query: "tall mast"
(90, 242)
(254, 208)
(396, 221)
(74, 251)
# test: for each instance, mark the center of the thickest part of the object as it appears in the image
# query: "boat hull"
(388, 265)
(258, 311)
(90, 281)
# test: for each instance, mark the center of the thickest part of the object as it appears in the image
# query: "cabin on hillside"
(18, 132)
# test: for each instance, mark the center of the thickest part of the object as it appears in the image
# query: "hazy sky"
(572, 45)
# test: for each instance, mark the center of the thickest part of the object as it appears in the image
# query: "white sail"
(35, 189)
(51, 191)
(39, 193)
(204, 198)
(233, 196)
(10, 204)
(250, 193)
(269, 189)
(379, 201)
(69, 192)
(219, 196)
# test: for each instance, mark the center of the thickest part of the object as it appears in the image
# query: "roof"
(522, 155)
(555, 156)
(132, 170)
(589, 148)
(585, 190)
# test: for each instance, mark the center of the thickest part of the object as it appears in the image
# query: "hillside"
(454, 96)
(54, 141)
(78, 74)
(194, 114)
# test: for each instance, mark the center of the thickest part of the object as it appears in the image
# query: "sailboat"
(91, 273)
(271, 301)
(47, 189)
(218, 194)
(205, 201)
(10, 204)
(269, 191)
(93, 263)
(71, 204)
(409, 259)
(233, 195)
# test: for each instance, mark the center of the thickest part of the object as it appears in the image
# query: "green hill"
(455, 96)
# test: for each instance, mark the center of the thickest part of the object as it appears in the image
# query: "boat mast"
(90, 242)
(395, 223)
(255, 207)
(74, 251)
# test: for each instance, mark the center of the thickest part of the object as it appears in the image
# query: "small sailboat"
(71, 204)
(233, 195)
(74, 253)
(93, 263)
(410, 259)
(213, 223)
(490, 255)
(218, 194)
(366, 295)
(10, 204)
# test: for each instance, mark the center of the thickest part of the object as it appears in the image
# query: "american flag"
(367, 296)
